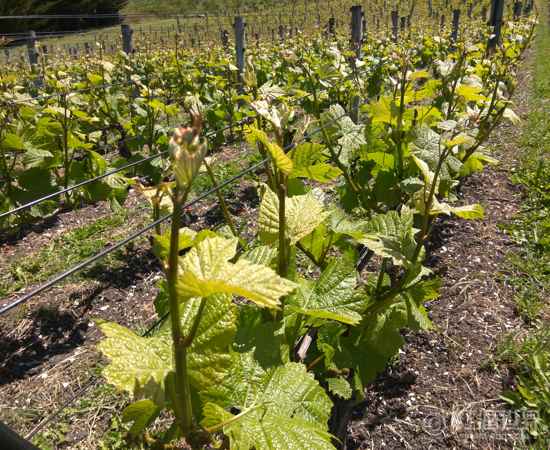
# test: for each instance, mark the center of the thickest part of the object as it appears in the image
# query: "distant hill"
(33, 7)
(49, 7)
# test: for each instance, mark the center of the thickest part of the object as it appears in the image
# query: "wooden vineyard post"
(33, 58)
(357, 29)
(470, 10)
(518, 7)
(403, 23)
(484, 13)
(331, 28)
(395, 24)
(45, 53)
(239, 26)
(495, 22)
(456, 22)
(318, 10)
(31, 49)
(356, 44)
(224, 36)
(127, 33)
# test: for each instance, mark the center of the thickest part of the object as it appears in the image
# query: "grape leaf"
(310, 162)
(391, 235)
(333, 296)
(340, 387)
(280, 158)
(206, 270)
(286, 408)
(135, 360)
(303, 214)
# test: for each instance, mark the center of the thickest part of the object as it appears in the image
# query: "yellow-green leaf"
(469, 92)
(303, 213)
(206, 270)
(137, 361)
(279, 157)
(474, 211)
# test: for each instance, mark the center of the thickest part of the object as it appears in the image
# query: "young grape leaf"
(280, 158)
(142, 413)
(161, 242)
(134, 359)
(35, 157)
(341, 130)
(475, 163)
(340, 387)
(341, 223)
(310, 162)
(137, 360)
(391, 235)
(333, 296)
(303, 214)
(264, 339)
(470, 93)
(206, 270)
(271, 114)
(263, 254)
(474, 211)
(317, 243)
(427, 148)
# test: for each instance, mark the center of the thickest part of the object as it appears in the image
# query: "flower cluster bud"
(187, 150)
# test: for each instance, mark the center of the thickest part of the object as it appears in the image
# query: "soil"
(432, 397)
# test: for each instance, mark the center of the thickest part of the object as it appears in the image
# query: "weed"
(528, 356)
(64, 251)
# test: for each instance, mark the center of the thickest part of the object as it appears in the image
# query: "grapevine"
(271, 327)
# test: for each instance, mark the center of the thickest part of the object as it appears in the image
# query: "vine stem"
(223, 204)
(283, 250)
(428, 206)
(183, 393)
(399, 130)
(455, 84)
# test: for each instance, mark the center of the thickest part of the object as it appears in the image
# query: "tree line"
(33, 7)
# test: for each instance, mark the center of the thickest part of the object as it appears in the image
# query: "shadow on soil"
(46, 335)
